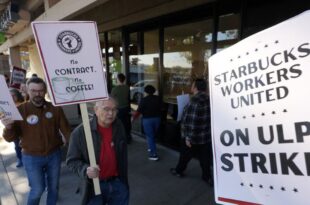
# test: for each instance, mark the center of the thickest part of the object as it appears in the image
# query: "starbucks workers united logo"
(69, 42)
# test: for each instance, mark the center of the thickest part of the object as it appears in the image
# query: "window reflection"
(143, 72)
(115, 54)
(177, 74)
(228, 33)
(143, 66)
(186, 51)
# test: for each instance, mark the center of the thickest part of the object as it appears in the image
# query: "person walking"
(121, 94)
(18, 99)
(41, 141)
(195, 132)
(150, 108)
(109, 140)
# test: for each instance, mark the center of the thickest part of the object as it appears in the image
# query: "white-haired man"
(109, 139)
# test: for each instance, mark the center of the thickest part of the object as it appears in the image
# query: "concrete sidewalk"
(150, 182)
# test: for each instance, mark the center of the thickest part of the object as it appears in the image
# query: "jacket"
(121, 94)
(39, 130)
(78, 160)
(195, 122)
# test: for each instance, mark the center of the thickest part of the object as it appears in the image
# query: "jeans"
(150, 126)
(43, 172)
(112, 193)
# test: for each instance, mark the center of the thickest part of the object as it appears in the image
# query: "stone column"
(35, 62)
(14, 58)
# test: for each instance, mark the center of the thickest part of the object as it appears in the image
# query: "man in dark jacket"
(121, 94)
(110, 146)
(195, 129)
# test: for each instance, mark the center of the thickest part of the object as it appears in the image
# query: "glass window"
(229, 32)
(143, 63)
(187, 48)
(143, 67)
(115, 55)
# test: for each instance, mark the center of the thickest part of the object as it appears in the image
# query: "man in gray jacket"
(109, 139)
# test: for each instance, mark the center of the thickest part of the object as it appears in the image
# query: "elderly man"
(109, 139)
(41, 140)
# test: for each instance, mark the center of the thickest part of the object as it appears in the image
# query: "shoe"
(154, 158)
(19, 164)
(174, 172)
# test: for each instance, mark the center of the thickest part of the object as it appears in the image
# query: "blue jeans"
(112, 193)
(43, 172)
(150, 126)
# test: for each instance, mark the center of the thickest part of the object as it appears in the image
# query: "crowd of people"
(39, 137)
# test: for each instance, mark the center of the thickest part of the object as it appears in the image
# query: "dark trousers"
(202, 152)
(18, 149)
(124, 115)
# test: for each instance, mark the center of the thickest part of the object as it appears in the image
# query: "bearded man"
(41, 140)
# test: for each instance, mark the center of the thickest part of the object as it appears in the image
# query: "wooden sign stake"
(90, 144)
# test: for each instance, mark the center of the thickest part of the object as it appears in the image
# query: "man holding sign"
(195, 132)
(40, 141)
(110, 146)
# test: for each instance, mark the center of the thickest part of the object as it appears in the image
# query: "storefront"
(170, 50)
(165, 43)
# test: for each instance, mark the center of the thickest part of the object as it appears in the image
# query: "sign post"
(90, 144)
(261, 117)
(72, 60)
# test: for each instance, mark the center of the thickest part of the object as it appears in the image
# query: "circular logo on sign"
(69, 42)
(48, 115)
(32, 119)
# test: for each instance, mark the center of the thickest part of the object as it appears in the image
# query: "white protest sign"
(182, 100)
(261, 117)
(72, 59)
(7, 105)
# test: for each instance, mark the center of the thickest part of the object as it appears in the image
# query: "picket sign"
(8, 108)
(260, 117)
(72, 60)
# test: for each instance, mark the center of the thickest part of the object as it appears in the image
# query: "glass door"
(143, 66)
(187, 48)
(115, 55)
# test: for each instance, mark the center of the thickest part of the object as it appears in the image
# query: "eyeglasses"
(108, 110)
(37, 91)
